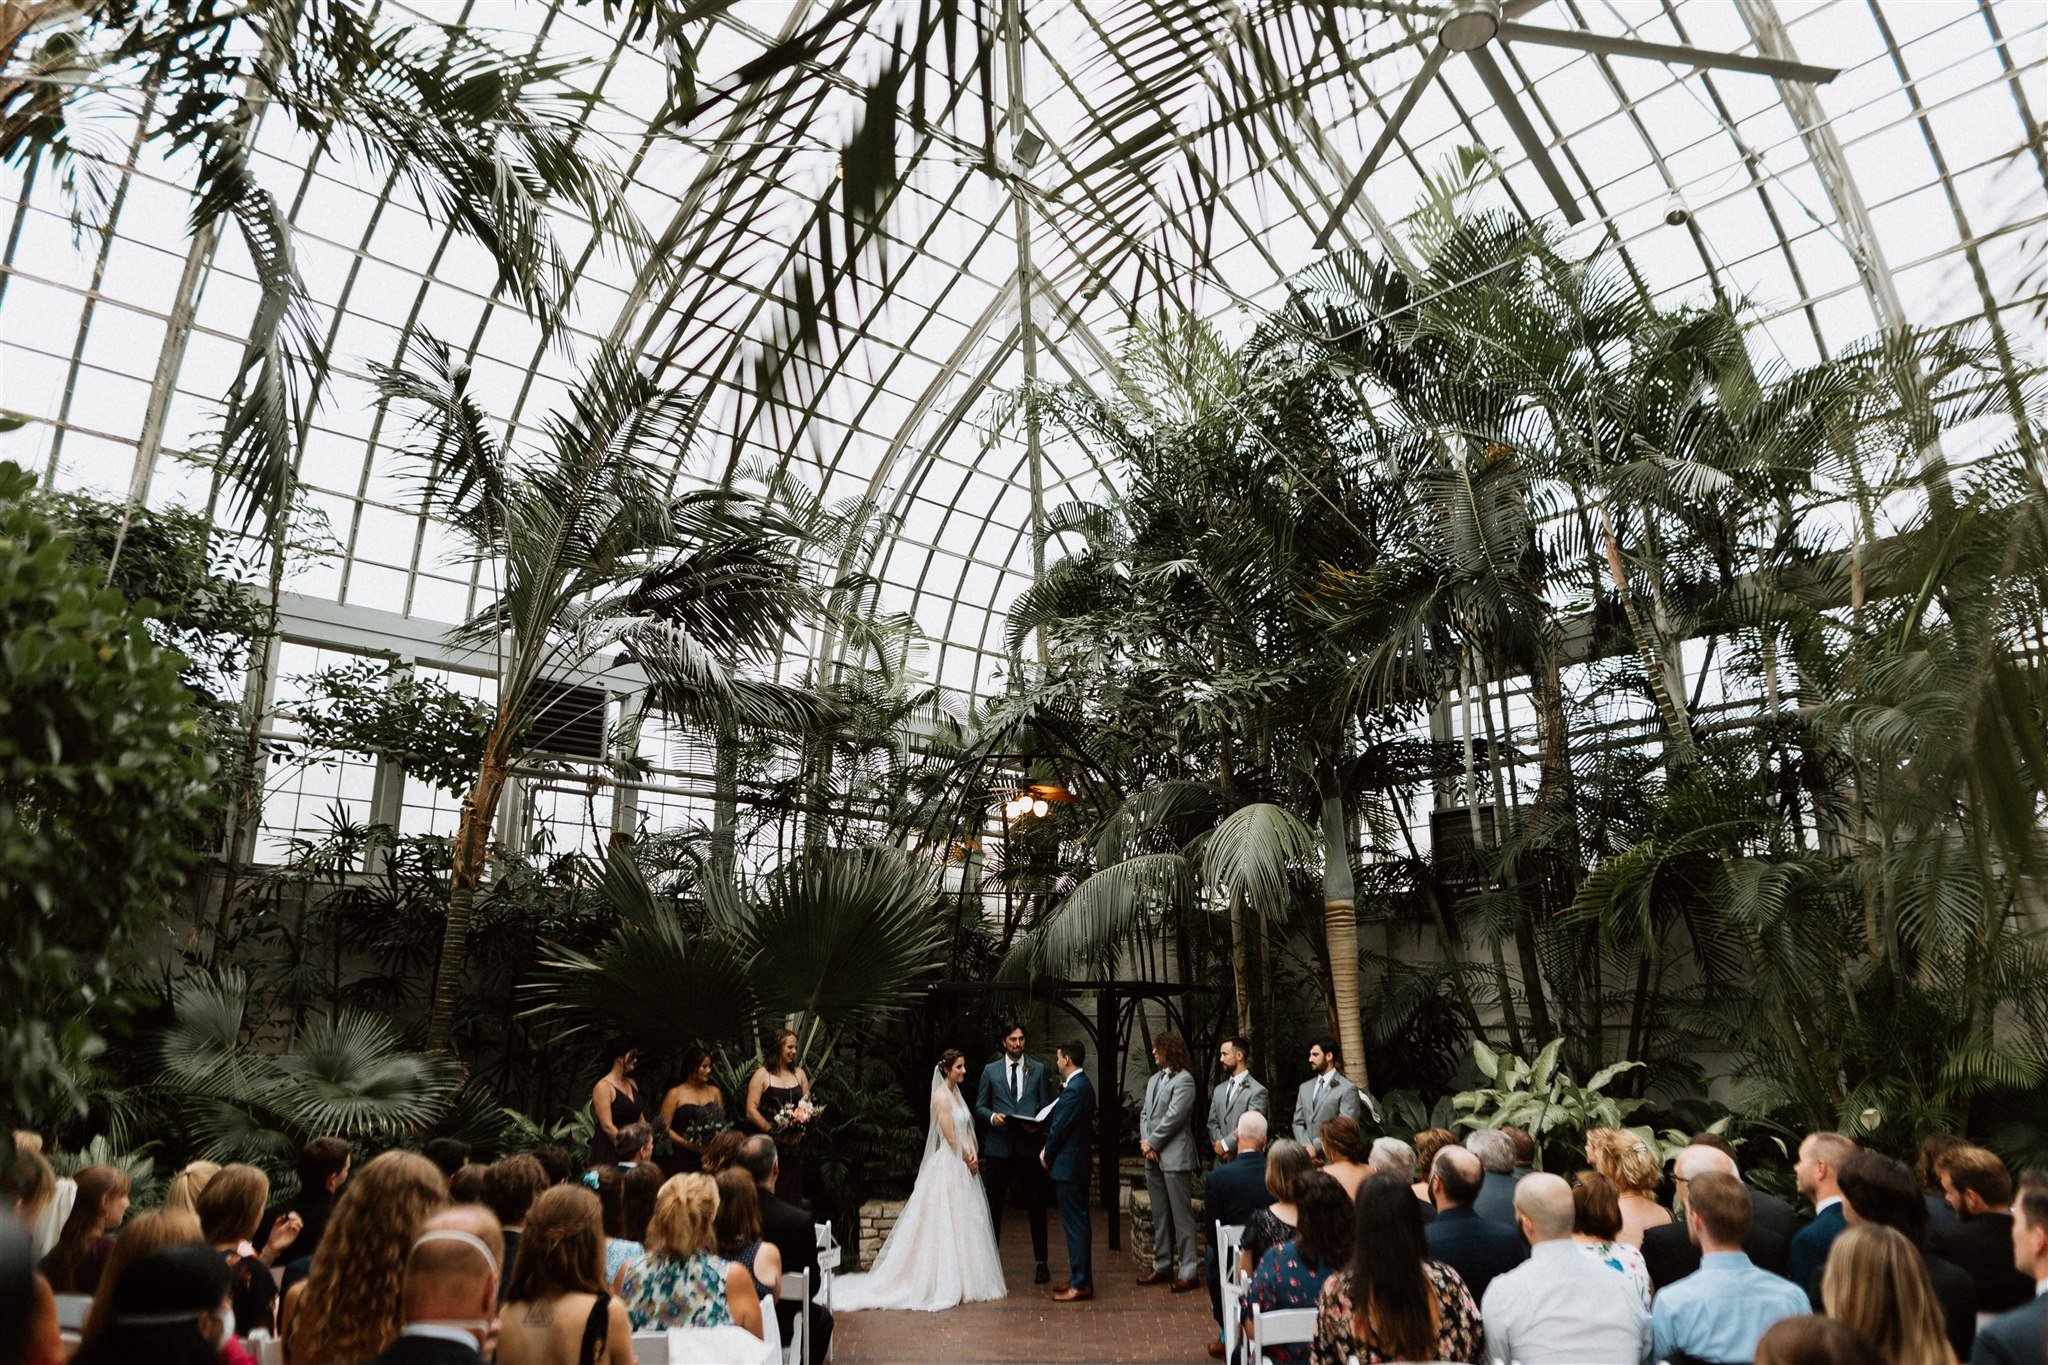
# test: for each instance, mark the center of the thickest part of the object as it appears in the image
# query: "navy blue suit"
(1810, 1249)
(1474, 1247)
(1066, 1161)
(1236, 1190)
(1009, 1157)
(2014, 1339)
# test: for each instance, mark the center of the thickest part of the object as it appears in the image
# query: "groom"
(1065, 1159)
(1007, 1101)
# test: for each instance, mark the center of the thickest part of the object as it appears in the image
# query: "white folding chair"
(72, 1310)
(1281, 1327)
(267, 1349)
(828, 1261)
(1229, 1242)
(650, 1348)
(796, 1288)
(1228, 1237)
(1231, 1290)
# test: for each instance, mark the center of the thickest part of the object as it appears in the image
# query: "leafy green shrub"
(103, 785)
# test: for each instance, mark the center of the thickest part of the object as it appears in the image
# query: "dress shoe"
(1072, 1295)
(1154, 1277)
(1041, 1275)
(1186, 1286)
(1216, 1349)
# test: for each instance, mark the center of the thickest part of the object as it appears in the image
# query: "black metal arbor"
(1108, 1031)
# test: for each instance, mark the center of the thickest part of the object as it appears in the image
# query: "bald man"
(1563, 1306)
(1474, 1247)
(1669, 1251)
(451, 1290)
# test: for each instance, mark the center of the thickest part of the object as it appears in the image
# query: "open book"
(1040, 1116)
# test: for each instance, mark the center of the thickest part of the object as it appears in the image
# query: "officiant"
(1012, 1093)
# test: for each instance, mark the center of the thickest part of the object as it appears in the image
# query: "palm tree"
(593, 560)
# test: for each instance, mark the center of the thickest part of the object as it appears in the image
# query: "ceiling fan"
(1470, 26)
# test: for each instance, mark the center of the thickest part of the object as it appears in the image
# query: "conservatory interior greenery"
(1510, 532)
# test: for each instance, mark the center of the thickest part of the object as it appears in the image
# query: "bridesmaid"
(614, 1102)
(686, 1105)
(776, 1085)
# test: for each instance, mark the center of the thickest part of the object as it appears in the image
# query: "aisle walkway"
(1124, 1322)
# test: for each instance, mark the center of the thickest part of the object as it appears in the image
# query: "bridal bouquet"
(794, 1121)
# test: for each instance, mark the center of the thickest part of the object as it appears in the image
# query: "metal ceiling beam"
(1680, 54)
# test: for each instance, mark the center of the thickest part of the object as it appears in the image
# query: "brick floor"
(1123, 1322)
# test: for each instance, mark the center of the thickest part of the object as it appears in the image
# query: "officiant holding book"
(1008, 1103)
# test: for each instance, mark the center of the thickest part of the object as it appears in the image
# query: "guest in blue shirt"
(1718, 1312)
(1291, 1274)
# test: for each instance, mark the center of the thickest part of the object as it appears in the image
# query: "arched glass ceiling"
(1191, 152)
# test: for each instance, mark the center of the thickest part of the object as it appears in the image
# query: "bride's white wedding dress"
(942, 1250)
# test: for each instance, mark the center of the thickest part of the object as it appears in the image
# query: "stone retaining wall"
(877, 1218)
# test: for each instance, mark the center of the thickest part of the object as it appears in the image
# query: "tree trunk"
(1340, 930)
(1240, 966)
(471, 853)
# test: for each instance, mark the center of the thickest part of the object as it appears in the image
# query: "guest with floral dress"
(1287, 1163)
(1597, 1225)
(1291, 1275)
(1393, 1303)
(682, 1282)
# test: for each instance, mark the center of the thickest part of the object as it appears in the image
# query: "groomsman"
(1235, 1095)
(1166, 1139)
(1065, 1159)
(1012, 1091)
(1324, 1095)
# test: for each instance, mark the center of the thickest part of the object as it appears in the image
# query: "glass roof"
(1191, 157)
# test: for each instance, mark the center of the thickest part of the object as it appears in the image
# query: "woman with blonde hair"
(349, 1306)
(683, 1282)
(145, 1232)
(183, 1194)
(230, 1209)
(556, 1309)
(1876, 1285)
(1631, 1167)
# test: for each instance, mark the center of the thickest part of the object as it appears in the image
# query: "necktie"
(1016, 1089)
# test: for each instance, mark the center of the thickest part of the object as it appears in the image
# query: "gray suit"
(1167, 1122)
(1228, 1103)
(1321, 1099)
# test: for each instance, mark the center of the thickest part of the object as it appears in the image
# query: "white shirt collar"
(2040, 1288)
(439, 1333)
(1070, 1078)
(1824, 1205)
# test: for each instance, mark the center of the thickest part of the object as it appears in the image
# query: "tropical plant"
(230, 1099)
(103, 787)
(1538, 1096)
(594, 559)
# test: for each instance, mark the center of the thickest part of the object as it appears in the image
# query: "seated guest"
(1811, 1339)
(1596, 1222)
(1669, 1252)
(1460, 1238)
(510, 1187)
(722, 1150)
(1394, 1302)
(636, 1144)
(2015, 1338)
(1631, 1167)
(1927, 1165)
(345, 1308)
(1428, 1143)
(74, 1264)
(790, 1228)
(1818, 1174)
(1292, 1274)
(556, 1308)
(1766, 1210)
(1236, 1191)
(737, 1231)
(1496, 1153)
(1560, 1307)
(554, 1161)
(1525, 1151)
(182, 1195)
(230, 1207)
(449, 1297)
(1878, 1190)
(466, 1185)
(1345, 1161)
(1718, 1312)
(1876, 1285)
(170, 1308)
(449, 1154)
(682, 1282)
(145, 1233)
(1977, 1189)
(323, 1170)
(1391, 1156)
(628, 1195)
(1287, 1163)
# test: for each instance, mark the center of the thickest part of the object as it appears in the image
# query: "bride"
(942, 1250)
